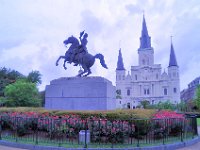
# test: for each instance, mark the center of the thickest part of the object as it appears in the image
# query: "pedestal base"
(85, 93)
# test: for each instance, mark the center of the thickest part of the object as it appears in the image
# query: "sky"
(32, 34)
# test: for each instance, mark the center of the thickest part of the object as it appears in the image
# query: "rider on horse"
(80, 50)
(78, 54)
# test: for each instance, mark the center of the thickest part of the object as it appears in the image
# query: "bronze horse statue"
(84, 59)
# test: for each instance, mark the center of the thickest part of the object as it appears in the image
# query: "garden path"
(9, 148)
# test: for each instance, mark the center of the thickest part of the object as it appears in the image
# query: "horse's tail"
(102, 61)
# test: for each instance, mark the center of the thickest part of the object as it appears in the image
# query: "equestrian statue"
(78, 54)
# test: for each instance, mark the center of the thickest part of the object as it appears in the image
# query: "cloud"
(91, 23)
(32, 34)
(133, 9)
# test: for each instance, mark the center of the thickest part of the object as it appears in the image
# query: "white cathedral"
(147, 81)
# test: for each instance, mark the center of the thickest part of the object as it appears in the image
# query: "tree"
(181, 106)
(145, 103)
(22, 93)
(34, 77)
(8, 76)
(42, 97)
(197, 99)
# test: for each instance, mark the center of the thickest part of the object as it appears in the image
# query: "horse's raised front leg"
(61, 57)
(64, 64)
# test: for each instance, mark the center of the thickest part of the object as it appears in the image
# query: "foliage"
(145, 103)
(42, 97)
(165, 114)
(22, 93)
(197, 100)
(163, 105)
(102, 130)
(8, 76)
(191, 106)
(112, 131)
(198, 121)
(34, 77)
(172, 119)
(181, 106)
(115, 114)
(141, 128)
(2, 101)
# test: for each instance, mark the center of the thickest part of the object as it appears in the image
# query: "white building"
(147, 81)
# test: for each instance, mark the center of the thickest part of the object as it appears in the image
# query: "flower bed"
(65, 126)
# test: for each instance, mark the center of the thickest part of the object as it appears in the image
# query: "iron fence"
(73, 132)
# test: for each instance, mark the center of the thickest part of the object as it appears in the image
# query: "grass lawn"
(198, 121)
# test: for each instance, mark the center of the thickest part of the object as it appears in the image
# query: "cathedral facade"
(146, 81)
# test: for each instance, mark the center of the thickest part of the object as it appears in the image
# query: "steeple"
(120, 64)
(172, 59)
(145, 39)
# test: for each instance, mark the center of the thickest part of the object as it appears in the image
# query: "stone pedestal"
(85, 93)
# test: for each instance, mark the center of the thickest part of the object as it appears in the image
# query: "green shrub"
(22, 93)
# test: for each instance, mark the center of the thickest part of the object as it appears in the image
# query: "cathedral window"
(123, 77)
(128, 92)
(135, 77)
(175, 90)
(120, 102)
(152, 88)
(148, 92)
(156, 76)
(143, 62)
(165, 91)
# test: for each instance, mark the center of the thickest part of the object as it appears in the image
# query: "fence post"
(163, 132)
(131, 130)
(0, 127)
(182, 129)
(85, 146)
(195, 126)
(16, 120)
(138, 140)
(36, 130)
(112, 136)
(99, 130)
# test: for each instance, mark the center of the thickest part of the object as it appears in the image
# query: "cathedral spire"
(120, 64)
(145, 39)
(172, 59)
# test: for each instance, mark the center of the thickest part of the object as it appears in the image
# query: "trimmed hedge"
(115, 114)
